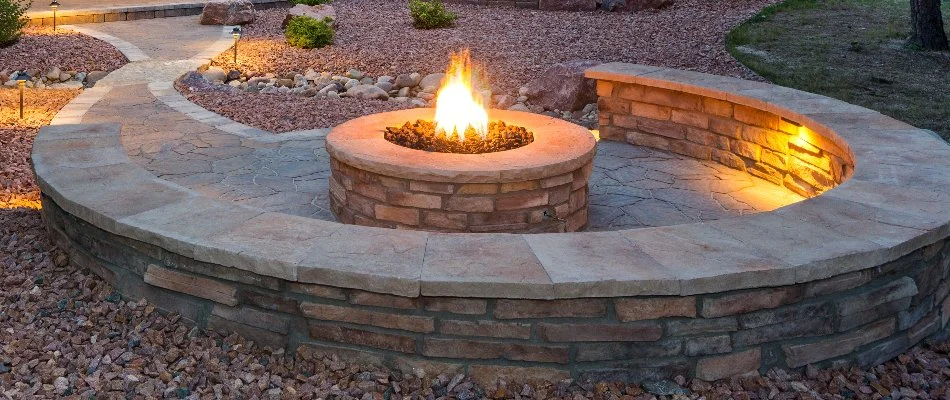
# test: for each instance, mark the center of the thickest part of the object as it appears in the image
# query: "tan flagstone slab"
(599, 264)
(179, 227)
(483, 265)
(378, 260)
(706, 261)
(271, 244)
(811, 249)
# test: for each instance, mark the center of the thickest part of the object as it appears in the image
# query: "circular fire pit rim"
(559, 147)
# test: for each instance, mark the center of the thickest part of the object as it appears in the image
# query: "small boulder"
(385, 85)
(228, 12)
(431, 83)
(567, 5)
(318, 12)
(367, 92)
(214, 74)
(563, 87)
(404, 80)
(53, 74)
(95, 76)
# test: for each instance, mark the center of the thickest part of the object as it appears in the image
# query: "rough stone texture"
(228, 12)
(563, 86)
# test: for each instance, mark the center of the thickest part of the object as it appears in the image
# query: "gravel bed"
(514, 45)
(41, 49)
(279, 112)
(17, 187)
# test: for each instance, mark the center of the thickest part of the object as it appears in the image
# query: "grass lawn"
(853, 50)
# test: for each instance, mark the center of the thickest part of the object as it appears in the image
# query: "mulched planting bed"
(421, 135)
(41, 49)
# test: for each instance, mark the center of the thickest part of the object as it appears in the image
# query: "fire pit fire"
(461, 123)
(461, 167)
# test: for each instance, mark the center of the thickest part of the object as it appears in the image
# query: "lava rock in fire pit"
(422, 135)
(563, 87)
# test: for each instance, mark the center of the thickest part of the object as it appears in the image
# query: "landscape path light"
(54, 5)
(236, 33)
(21, 79)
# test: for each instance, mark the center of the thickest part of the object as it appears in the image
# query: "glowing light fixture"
(54, 5)
(236, 33)
(21, 79)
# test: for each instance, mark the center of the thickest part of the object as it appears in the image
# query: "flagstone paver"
(630, 187)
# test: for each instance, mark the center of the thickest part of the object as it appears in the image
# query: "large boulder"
(318, 12)
(228, 12)
(563, 87)
(567, 5)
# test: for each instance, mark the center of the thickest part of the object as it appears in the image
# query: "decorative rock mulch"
(61, 59)
(281, 112)
(397, 63)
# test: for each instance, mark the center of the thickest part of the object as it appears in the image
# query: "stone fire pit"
(541, 187)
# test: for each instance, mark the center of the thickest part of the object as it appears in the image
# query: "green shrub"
(310, 2)
(12, 20)
(308, 33)
(430, 14)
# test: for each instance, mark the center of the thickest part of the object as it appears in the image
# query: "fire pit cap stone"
(559, 147)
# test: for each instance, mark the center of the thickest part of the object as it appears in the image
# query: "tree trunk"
(927, 25)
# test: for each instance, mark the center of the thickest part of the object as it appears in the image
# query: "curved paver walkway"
(181, 142)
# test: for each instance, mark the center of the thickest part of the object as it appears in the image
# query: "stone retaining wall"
(853, 276)
(738, 136)
(859, 318)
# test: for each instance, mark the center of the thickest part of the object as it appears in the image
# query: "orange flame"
(458, 107)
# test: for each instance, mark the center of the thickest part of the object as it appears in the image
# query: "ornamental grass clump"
(309, 33)
(430, 14)
(12, 20)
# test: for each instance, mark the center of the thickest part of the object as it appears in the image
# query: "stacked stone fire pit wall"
(365, 198)
(855, 275)
(736, 134)
(540, 187)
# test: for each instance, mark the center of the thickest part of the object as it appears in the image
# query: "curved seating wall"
(854, 275)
